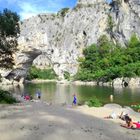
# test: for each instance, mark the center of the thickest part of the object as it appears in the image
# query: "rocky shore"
(118, 82)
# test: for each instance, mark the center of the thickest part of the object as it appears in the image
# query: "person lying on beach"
(124, 116)
(130, 124)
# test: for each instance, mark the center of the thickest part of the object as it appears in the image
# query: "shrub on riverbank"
(94, 102)
(6, 98)
(136, 107)
(36, 73)
(106, 61)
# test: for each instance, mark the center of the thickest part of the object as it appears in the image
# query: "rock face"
(57, 40)
(62, 37)
(126, 18)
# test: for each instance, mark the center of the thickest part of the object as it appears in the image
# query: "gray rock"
(113, 106)
(118, 82)
(134, 82)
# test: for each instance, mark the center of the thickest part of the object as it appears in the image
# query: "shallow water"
(61, 93)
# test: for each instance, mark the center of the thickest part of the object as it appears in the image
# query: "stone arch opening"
(23, 62)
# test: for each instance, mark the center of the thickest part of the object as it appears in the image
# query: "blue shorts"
(74, 102)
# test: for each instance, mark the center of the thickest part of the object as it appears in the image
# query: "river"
(61, 93)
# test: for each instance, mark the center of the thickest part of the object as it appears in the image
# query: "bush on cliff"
(36, 73)
(106, 61)
(63, 12)
(67, 75)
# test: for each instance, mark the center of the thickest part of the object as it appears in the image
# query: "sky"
(28, 8)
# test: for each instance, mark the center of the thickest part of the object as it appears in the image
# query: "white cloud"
(28, 8)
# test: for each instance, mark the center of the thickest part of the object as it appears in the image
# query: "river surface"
(61, 93)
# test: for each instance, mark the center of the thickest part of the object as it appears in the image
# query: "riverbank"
(116, 83)
(38, 120)
(35, 81)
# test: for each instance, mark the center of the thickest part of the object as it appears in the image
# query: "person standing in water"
(38, 94)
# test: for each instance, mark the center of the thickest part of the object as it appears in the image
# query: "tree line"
(106, 61)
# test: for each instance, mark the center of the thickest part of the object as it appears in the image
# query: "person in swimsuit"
(136, 125)
(131, 124)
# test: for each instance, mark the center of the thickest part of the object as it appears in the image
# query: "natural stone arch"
(25, 60)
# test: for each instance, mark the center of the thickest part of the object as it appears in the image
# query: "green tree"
(107, 61)
(105, 46)
(9, 30)
(134, 41)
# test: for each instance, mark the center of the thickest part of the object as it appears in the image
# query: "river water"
(61, 93)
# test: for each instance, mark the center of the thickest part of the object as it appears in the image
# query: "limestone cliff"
(57, 40)
(126, 17)
(61, 37)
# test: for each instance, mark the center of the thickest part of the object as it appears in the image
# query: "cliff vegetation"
(106, 61)
(36, 73)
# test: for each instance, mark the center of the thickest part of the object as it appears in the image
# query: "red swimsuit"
(137, 124)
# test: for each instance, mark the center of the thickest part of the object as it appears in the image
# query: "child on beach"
(74, 103)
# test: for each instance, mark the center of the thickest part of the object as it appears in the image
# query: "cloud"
(32, 8)
(28, 8)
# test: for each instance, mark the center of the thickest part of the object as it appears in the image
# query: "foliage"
(137, 106)
(63, 12)
(6, 98)
(134, 41)
(94, 102)
(66, 75)
(106, 61)
(110, 23)
(36, 73)
(9, 30)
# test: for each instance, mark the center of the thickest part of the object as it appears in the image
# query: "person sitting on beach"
(27, 97)
(74, 100)
(131, 124)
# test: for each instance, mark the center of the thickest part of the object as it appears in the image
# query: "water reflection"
(111, 98)
(118, 90)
